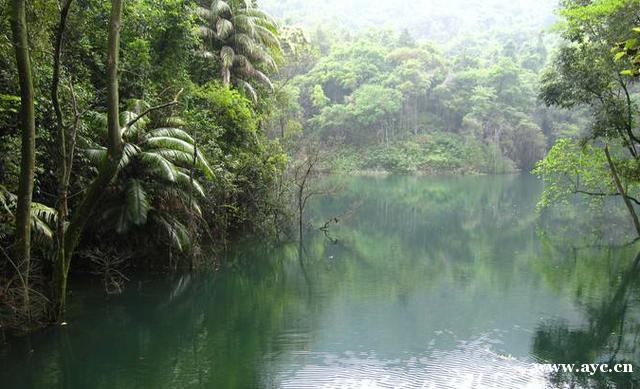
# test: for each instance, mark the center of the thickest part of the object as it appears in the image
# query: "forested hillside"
(385, 100)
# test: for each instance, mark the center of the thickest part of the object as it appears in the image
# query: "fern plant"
(43, 218)
(157, 185)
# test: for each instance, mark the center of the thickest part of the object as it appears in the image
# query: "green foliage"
(436, 153)
(245, 194)
(371, 103)
(318, 98)
(587, 72)
(376, 89)
(629, 50)
(243, 40)
(157, 192)
(164, 188)
(571, 168)
(43, 218)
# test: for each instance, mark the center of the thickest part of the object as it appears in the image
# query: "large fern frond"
(129, 152)
(175, 231)
(43, 219)
(219, 8)
(171, 132)
(136, 203)
(96, 155)
(224, 29)
(158, 165)
(248, 88)
(185, 181)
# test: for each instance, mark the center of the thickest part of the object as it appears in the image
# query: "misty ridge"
(436, 20)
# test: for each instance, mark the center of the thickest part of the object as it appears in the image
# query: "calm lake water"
(423, 282)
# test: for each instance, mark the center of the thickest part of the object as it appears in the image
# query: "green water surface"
(422, 282)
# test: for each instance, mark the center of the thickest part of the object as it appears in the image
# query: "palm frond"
(129, 152)
(219, 8)
(206, 32)
(171, 132)
(43, 219)
(185, 181)
(263, 77)
(260, 15)
(174, 121)
(136, 203)
(204, 13)
(242, 63)
(7, 199)
(223, 29)
(181, 157)
(158, 165)
(268, 37)
(131, 132)
(96, 155)
(245, 43)
(249, 38)
(175, 231)
(186, 198)
(248, 89)
(169, 142)
(244, 24)
(226, 56)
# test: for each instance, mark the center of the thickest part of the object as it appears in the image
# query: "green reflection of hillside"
(416, 231)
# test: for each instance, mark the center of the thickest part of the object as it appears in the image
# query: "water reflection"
(446, 282)
(611, 334)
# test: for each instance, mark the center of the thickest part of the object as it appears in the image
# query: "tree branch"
(616, 180)
(157, 107)
(606, 194)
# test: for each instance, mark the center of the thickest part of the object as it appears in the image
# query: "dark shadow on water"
(612, 336)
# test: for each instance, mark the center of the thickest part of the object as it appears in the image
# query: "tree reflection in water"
(611, 336)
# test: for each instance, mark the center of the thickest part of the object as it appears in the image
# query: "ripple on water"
(471, 365)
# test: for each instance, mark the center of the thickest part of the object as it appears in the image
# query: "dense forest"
(396, 98)
(131, 132)
(386, 101)
(149, 135)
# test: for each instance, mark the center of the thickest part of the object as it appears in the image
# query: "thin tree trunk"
(109, 168)
(64, 159)
(28, 155)
(623, 193)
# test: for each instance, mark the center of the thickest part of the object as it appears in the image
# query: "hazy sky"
(426, 18)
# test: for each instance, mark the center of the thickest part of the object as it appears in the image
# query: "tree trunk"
(64, 158)
(28, 153)
(109, 168)
(623, 193)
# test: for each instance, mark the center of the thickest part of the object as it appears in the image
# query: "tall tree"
(65, 140)
(28, 148)
(107, 171)
(244, 40)
(585, 73)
